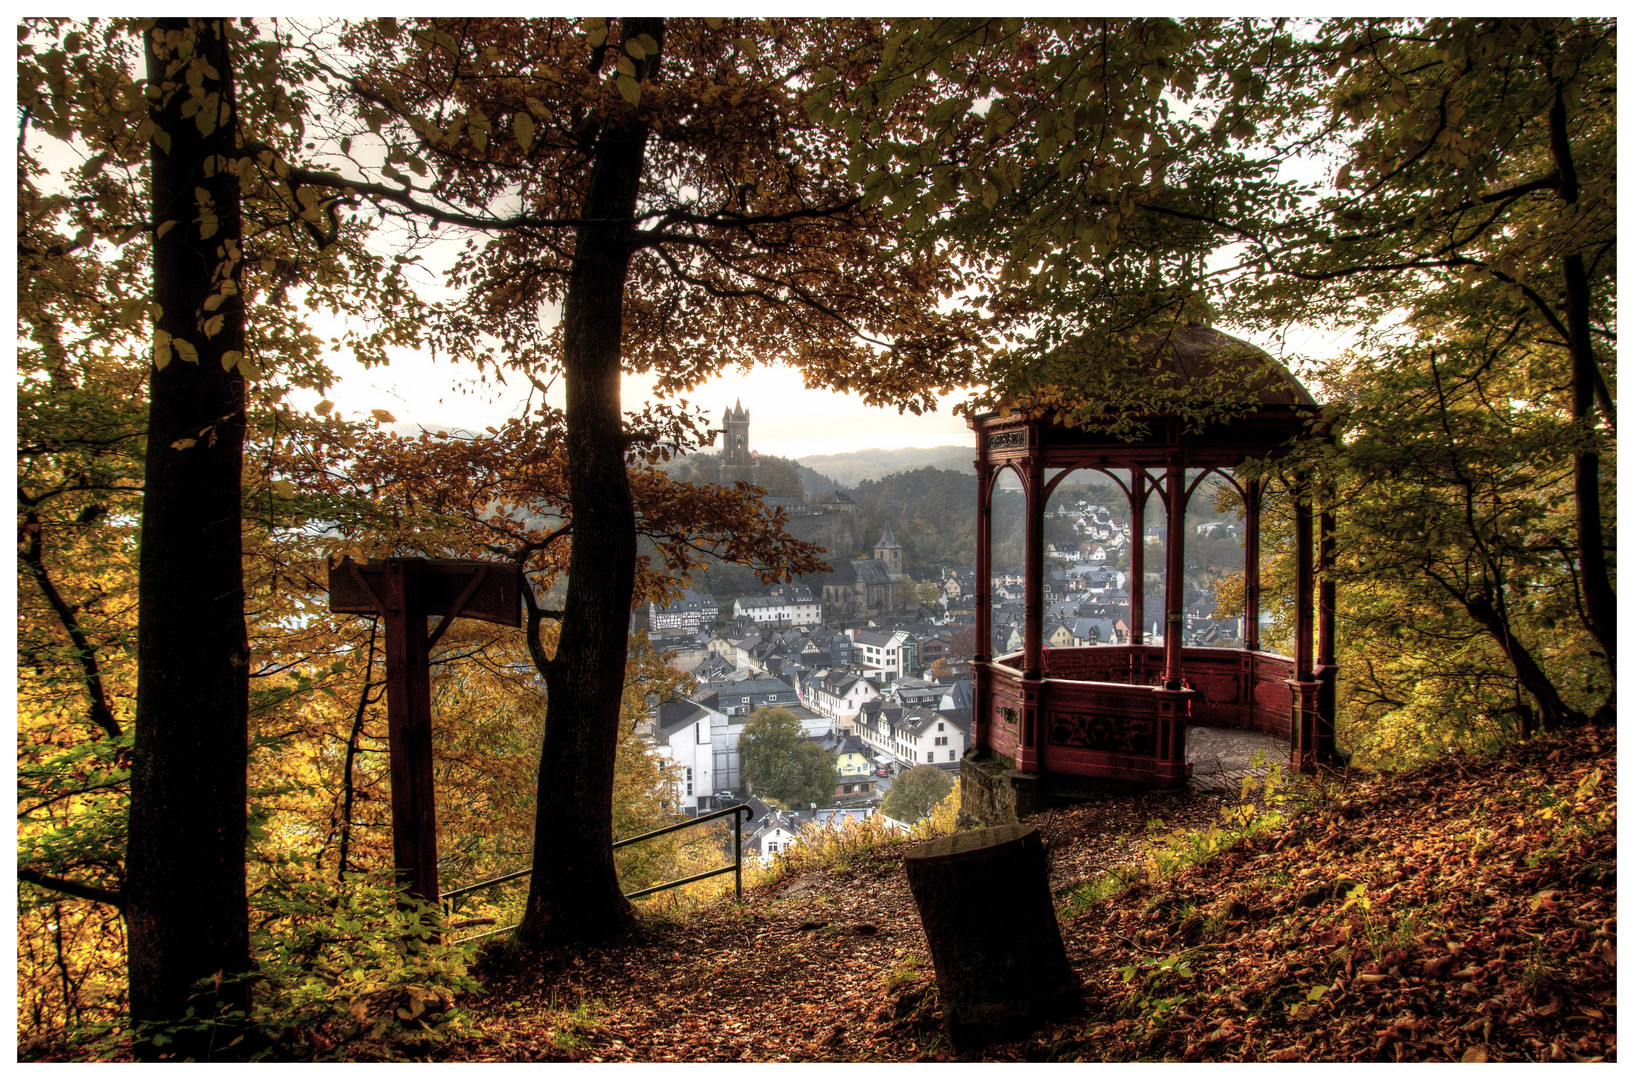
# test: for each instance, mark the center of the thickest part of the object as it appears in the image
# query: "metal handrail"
(737, 860)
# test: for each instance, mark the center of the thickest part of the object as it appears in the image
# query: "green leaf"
(185, 350)
(230, 359)
(630, 89)
(523, 126)
(161, 349)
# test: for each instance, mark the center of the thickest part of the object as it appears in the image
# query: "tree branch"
(33, 558)
(72, 888)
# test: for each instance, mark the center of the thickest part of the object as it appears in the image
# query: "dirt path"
(824, 965)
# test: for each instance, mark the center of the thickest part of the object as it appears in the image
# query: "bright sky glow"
(787, 419)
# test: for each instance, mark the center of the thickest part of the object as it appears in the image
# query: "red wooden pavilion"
(1048, 721)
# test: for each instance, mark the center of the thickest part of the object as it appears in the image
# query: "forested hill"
(1464, 911)
(932, 513)
(857, 466)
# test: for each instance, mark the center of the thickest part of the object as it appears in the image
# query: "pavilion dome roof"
(1201, 354)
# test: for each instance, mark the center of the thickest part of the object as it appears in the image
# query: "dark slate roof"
(886, 540)
(675, 715)
(871, 571)
(691, 601)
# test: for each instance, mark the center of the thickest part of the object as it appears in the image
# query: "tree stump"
(984, 901)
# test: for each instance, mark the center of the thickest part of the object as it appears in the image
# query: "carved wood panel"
(1099, 731)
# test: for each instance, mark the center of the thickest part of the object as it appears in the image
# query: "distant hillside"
(853, 468)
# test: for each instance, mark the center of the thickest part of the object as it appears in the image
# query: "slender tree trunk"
(1553, 712)
(574, 893)
(1599, 596)
(184, 891)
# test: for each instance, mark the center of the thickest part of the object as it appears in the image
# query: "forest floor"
(1464, 911)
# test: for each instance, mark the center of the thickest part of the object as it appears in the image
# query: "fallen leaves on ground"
(1465, 911)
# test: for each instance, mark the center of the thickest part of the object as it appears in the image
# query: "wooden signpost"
(405, 593)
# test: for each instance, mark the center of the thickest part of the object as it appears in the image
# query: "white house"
(683, 734)
(789, 606)
(776, 835)
(836, 694)
(885, 653)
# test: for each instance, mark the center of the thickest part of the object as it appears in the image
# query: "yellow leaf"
(161, 349)
(164, 228)
(230, 359)
(523, 125)
(207, 230)
(630, 89)
(183, 444)
(213, 301)
(284, 488)
(185, 350)
(324, 407)
(383, 416)
(212, 327)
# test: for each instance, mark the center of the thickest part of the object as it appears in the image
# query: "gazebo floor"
(1221, 757)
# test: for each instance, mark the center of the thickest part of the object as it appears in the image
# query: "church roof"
(886, 540)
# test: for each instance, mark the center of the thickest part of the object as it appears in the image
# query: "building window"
(953, 755)
(689, 781)
(771, 847)
(941, 727)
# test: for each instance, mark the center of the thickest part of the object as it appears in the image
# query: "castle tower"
(736, 461)
(889, 552)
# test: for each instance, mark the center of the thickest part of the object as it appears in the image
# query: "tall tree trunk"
(574, 894)
(1599, 596)
(185, 902)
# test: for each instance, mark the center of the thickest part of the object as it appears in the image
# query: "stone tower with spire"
(889, 552)
(736, 461)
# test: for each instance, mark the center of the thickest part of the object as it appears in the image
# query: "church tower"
(889, 552)
(736, 461)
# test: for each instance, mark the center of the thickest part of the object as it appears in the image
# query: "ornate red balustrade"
(1101, 711)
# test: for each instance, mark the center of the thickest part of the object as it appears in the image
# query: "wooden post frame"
(405, 593)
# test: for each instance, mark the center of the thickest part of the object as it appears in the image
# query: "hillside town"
(872, 657)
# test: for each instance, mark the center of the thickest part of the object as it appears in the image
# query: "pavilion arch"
(1063, 719)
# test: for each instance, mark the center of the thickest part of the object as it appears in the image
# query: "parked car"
(882, 772)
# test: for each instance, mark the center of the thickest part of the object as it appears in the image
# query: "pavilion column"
(1171, 701)
(1137, 556)
(1306, 690)
(1174, 583)
(980, 678)
(1033, 588)
(1252, 492)
(1028, 759)
(1327, 671)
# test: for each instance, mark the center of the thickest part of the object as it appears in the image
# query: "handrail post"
(737, 850)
